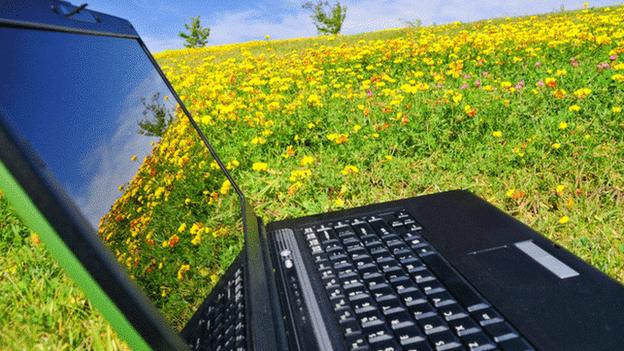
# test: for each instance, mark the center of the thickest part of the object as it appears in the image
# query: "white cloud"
(242, 26)
(157, 44)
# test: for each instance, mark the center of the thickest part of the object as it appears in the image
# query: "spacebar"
(463, 292)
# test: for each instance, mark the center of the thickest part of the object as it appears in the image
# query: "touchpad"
(547, 260)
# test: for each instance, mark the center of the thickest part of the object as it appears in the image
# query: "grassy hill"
(525, 112)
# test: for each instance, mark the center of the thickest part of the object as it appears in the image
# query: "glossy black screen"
(103, 121)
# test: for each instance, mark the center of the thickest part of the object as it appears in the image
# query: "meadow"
(525, 112)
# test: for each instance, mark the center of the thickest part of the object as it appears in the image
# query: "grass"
(525, 112)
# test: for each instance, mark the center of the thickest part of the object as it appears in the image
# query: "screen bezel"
(68, 224)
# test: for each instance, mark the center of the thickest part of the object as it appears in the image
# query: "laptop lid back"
(104, 160)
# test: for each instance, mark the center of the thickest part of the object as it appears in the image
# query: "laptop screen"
(104, 123)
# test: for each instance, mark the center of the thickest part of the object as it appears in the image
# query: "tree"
(328, 18)
(157, 118)
(197, 36)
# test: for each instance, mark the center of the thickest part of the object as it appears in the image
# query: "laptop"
(100, 157)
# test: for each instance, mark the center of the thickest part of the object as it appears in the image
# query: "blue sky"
(231, 21)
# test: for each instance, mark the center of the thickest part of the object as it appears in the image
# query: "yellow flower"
(349, 169)
(375, 135)
(182, 271)
(306, 160)
(574, 108)
(197, 239)
(563, 125)
(559, 189)
(338, 138)
(497, 134)
(582, 93)
(618, 77)
(226, 186)
(260, 166)
(299, 174)
(314, 100)
(556, 146)
(356, 128)
(339, 202)
(389, 157)
(182, 228)
(616, 109)
(564, 220)
(510, 192)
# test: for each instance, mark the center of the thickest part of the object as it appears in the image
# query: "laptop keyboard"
(391, 290)
(222, 326)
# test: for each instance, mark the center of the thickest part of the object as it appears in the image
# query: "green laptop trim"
(31, 216)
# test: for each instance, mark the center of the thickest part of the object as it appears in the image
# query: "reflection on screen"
(105, 124)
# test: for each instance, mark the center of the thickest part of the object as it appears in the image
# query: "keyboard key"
(441, 299)
(432, 325)
(501, 331)
(445, 341)
(422, 310)
(452, 311)
(464, 326)
(478, 342)
(516, 344)
(385, 342)
(431, 287)
(487, 316)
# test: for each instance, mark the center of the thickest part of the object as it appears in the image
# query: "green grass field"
(525, 112)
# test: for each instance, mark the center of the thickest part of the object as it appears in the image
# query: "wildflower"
(470, 111)
(349, 170)
(338, 138)
(195, 228)
(173, 241)
(556, 146)
(196, 239)
(182, 271)
(182, 228)
(306, 160)
(389, 157)
(356, 128)
(226, 186)
(574, 108)
(559, 189)
(497, 134)
(616, 109)
(260, 166)
(457, 98)
(550, 82)
(559, 93)
(563, 125)
(582, 93)
(618, 77)
(339, 202)
(314, 100)
(564, 220)
(299, 174)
